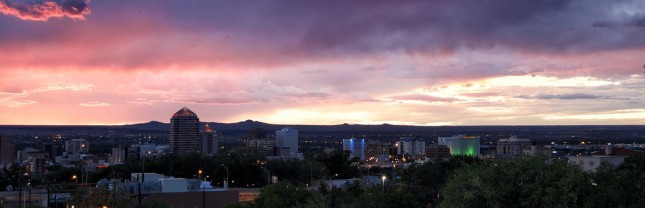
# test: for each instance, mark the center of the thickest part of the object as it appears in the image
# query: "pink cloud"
(42, 11)
(422, 97)
(480, 94)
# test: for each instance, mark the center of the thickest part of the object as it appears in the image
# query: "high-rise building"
(356, 146)
(262, 147)
(411, 146)
(513, 147)
(7, 150)
(209, 141)
(77, 146)
(36, 163)
(372, 149)
(461, 144)
(287, 138)
(119, 155)
(184, 132)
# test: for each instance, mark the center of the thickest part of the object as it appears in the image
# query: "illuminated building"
(119, 155)
(356, 146)
(209, 141)
(411, 146)
(513, 147)
(462, 144)
(7, 151)
(286, 138)
(36, 163)
(372, 148)
(184, 132)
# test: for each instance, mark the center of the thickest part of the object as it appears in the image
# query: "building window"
(591, 163)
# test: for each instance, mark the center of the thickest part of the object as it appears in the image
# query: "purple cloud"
(43, 10)
(570, 96)
(268, 33)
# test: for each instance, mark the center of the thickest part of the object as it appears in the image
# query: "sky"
(430, 62)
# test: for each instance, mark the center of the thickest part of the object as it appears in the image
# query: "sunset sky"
(431, 62)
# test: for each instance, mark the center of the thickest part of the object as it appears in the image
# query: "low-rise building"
(612, 156)
(513, 146)
(436, 150)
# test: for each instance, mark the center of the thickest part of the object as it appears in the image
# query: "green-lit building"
(462, 144)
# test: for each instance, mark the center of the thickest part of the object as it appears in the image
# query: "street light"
(203, 187)
(383, 178)
(75, 179)
(226, 181)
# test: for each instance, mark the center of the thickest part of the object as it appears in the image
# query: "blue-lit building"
(356, 146)
(286, 142)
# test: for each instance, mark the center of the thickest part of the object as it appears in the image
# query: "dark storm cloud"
(350, 27)
(136, 34)
(43, 10)
(571, 96)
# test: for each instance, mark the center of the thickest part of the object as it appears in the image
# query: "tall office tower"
(209, 141)
(356, 146)
(287, 138)
(184, 132)
(7, 150)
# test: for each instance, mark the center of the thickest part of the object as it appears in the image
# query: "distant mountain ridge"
(248, 124)
(244, 126)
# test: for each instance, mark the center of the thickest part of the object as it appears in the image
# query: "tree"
(282, 194)
(101, 196)
(518, 182)
(425, 181)
(154, 205)
(339, 165)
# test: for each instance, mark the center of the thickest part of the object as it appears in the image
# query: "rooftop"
(208, 129)
(184, 112)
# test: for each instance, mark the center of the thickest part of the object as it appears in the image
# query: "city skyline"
(291, 62)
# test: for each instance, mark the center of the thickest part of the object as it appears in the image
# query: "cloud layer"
(43, 10)
(408, 62)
